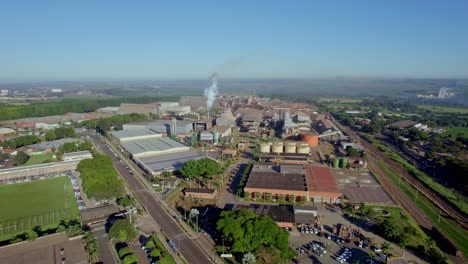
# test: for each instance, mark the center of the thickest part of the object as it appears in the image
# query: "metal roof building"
(126, 135)
(161, 126)
(153, 146)
(166, 162)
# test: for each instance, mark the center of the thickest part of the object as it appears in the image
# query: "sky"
(141, 40)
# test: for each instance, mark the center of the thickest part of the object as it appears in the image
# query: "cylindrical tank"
(277, 147)
(290, 147)
(265, 147)
(303, 148)
(344, 162)
(311, 139)
(336, 163)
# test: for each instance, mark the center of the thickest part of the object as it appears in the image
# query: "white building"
(55, 90)
(3, 92)
(79, 155)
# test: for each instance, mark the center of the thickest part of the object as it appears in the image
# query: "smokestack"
(211, 92)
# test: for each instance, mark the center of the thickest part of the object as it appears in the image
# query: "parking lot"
(315, 247)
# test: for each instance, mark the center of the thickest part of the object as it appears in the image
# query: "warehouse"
(162, 126)
(127, 135)
(145, 109)
(151, 147)
(154, 165)
(292, 182)
(283, 215)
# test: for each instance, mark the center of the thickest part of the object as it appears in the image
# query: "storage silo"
(303, 148)
(311, 139)
(265, 147)
(290, 147)
(336, 163)
(344, 162)
(277, 147)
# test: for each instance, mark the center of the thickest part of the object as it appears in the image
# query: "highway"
(187, 247)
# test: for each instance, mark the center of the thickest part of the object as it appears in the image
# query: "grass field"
(454, 131)
(445, 109)
(37, 203)
(39, 159)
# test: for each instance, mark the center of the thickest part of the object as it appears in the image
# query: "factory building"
(293, 183)
(226, 119)
(145, 109)
(34, 172)
(151, 151)
(181, 127)
(195, 103)
(173, 108)
(6, 133)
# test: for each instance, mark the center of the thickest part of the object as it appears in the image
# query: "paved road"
(187, 247)
(102, 239)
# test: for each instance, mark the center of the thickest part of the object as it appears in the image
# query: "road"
(187, 247)
(103, 243)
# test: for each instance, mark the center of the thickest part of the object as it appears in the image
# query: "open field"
(39, 159)
(454, 131)
(445, 109)
(39, 203)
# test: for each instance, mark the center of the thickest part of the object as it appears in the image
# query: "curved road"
(187, 247)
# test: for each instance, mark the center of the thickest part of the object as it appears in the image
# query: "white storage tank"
(265, 147)
(303, 148)
(277, 147)
(290, 147)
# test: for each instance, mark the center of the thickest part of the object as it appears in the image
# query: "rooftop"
(45, 250)
(134, 133)
(171, 161)
(76, 153)
(137, 108)
(278, 213)
(271, 177)
(98, 212)
(320, 179)
(5, 130)
(403, 124)
(53, 144)
(140, 146)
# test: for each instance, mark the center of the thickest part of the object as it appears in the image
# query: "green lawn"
(445, 109)
(454, 131)
(39, 159)
(37, 203)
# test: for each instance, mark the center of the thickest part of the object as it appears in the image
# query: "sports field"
(37, 203)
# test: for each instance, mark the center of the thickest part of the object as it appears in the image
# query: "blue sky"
(112, 40)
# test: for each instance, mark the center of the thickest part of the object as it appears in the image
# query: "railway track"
(447, 207)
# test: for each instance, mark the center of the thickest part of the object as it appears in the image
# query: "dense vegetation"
(21, 157)
(59, 133)
(123, 231)
(200, 170)
(20, 141)
(75, 146)
(245, 231)
(158, 251)
(66, 106)
(100, 180)
(103, 125)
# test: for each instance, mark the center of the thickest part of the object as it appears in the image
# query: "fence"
(21, 224)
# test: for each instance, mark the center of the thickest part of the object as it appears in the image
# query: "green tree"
(21, 157)
(392, 229)
(155, 253)
(149, 244)
(248, 232)
(125, 201)
(122, 230)
(50, 135)
(130, 259)
(124, 252)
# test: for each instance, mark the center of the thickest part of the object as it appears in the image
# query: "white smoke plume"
(211, 92)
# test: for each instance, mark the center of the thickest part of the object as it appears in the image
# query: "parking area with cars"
(315, 243)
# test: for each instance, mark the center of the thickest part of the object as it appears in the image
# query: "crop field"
(38, 203)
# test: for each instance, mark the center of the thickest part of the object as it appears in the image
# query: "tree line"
(49, 108)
